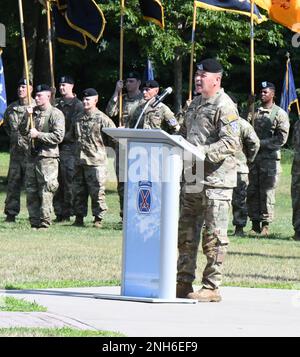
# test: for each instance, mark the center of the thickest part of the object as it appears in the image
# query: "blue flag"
(3, 102)
(75, 20)
(149, 72)
(153, 10)
(236, 6)
(288, 94)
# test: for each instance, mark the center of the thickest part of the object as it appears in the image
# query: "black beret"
(210, 65)
(133, 74)
(266, 84)
(151, 84)
(42, 88)
(66, 79)
(23, 82)
(89, 92)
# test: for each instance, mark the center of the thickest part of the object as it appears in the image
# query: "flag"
(75, 20)
(235, 6)
(285, 12)
(288, 95)
(153, 10)
(149, 72)
(3, 102)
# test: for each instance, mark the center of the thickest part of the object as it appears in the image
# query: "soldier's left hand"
(34, 133)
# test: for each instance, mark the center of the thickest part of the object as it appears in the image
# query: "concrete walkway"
(243, 312)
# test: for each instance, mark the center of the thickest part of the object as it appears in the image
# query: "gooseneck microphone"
(161, 97)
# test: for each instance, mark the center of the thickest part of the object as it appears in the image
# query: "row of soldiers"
(211, 122)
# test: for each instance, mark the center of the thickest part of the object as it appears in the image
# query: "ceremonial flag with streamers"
(236, 6)
(3, 102)
(285, 12)
(153, 10)
(288, 95)
(77, 19)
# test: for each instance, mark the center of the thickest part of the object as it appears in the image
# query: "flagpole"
(25, 60)
(252, 62)
(50, 45)
(192, 52)
(121, 60)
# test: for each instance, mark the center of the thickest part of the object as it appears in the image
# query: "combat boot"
(78, 221)
(255, 230)
(97, 222)
(206, 295)
(239, 231)
(58, 219)
(10, 218)
(183, 289)
(297, 235)
(265, 229)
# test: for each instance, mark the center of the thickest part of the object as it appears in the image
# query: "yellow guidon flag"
(242, 7)
(285, 12)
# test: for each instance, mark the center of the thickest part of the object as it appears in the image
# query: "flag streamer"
(3, 100)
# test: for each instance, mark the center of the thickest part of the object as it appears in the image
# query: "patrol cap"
(133, 74)
(151, 84)
(23, 82)
(210, 65)
(42, 88)
(266, 84)
(66, 79)
(89, 92)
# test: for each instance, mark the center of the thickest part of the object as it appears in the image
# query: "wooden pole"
(25, 59)
(50, 45)
(121, 60)
(192, 52)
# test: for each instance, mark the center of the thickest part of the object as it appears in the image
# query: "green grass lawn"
(9, 303)
(66, 256)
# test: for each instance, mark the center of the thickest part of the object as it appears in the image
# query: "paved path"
(243, 312)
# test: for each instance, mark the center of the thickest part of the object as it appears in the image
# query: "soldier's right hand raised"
(119, 86)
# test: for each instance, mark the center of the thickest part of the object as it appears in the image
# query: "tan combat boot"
(206, 295)
(183, 289)
(97, 222)
(265, 230)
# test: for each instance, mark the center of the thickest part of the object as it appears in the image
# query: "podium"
(153, 162)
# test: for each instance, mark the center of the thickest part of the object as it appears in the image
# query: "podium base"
(145, 299)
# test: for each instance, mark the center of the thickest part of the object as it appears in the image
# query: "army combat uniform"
(210, 124)
(63, 198)
(42, 163)
(295, 187)
(90, 163)
(159, 117)
(272, 128)
(112, 110)
(18, 156)
(249, 147)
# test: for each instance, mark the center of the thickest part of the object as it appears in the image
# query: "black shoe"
(58, 219)
(78, 222)
(10, 218)
(239, 231)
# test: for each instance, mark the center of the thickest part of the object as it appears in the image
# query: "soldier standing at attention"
(159, 117)
(18, 151)
(90, 159)
(131, 99)
(249, 147)
(42, 164)
(271, 124)
(71, 106)
(295, 186)
(211, 122)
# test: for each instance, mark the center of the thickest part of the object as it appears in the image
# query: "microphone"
(161, 97)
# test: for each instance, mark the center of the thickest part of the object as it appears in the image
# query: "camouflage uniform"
(63, 199)
(42, 163)
(272, 128)
(112, 110)
(212, 124)
(295, 187)
(249, 147)
(160, 117)
(90, 163)
(17, 164)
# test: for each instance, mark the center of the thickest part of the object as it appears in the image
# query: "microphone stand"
(143, 111)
